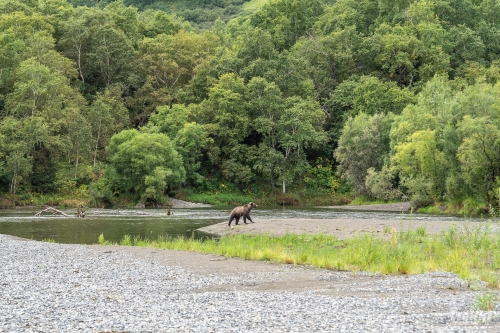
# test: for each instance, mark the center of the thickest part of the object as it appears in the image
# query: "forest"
(123, 102)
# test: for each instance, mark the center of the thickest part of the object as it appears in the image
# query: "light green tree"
(145, 164)
(106, 116)
(422, 166)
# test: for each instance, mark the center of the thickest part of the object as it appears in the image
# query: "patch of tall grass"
(220, 199)
(472, 253)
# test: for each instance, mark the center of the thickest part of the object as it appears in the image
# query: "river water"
(151, 223)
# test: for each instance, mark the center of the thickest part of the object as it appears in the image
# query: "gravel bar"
(47, 287)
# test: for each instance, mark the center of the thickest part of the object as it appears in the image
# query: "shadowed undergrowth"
(472, 253)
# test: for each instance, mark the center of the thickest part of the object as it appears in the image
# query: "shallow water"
(151, 223)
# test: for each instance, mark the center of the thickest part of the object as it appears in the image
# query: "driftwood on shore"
(51, 209)
(79, 213)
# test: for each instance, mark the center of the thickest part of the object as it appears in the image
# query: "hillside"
(202, 13)
(281, 100)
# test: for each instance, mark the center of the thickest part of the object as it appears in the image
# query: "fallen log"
(53, 210)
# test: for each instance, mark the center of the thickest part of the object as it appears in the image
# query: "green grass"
(276, 198)
(366, 201)
(49, 240)
(429, 210)
(220, 199)
(486, 302)
(473, 254)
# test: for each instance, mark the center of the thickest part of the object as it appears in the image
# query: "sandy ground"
(342, 228)
(284, 277)
(274, 276)
(394, 207)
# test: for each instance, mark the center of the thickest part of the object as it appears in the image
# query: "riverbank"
(74, 288)
(403, 207)
(345, 228)
(341, 228)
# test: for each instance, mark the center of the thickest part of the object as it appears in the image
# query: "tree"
(106, 116)
(21, 36)
(477, 129)
(171, 60)
(424, 142)
(15, 157)
(126, 18)
(299, 128)
(330, 59)
(226, 117)
(266, 109)
(287, 20)
(47, 107)
(347, 14)
(422, 166)
(479, 154)
(190, 142)
(468, 46)
(190, 138)
(395, 51)
(22, 139)
(156, 22)
(364, 144)
(74, 40)
(432, 111)
(145, 164)
(112, 56)
(365, 94)
(79, 133)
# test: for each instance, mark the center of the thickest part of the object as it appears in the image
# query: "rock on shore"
(176, 203)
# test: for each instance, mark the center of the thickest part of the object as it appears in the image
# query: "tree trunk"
(76, 165)
(284, 187)
(97, 142)
(13, 184)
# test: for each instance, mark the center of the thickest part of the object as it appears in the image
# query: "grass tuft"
(49, 240)
(486, 302)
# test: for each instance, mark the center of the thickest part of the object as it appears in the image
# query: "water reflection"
(151, 223)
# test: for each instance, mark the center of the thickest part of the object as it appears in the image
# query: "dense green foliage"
(470, 253)
(202, 13)
(113, 100)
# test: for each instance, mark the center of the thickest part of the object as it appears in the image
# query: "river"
(152, 223)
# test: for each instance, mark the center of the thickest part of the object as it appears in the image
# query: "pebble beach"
(46, 287)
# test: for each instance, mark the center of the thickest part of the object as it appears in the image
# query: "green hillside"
(202, 13)
(290, 101)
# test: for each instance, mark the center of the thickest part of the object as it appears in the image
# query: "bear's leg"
(248, 217)
(231, 218)
(237, 219)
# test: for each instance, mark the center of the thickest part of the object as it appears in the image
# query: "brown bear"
(242, 211)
